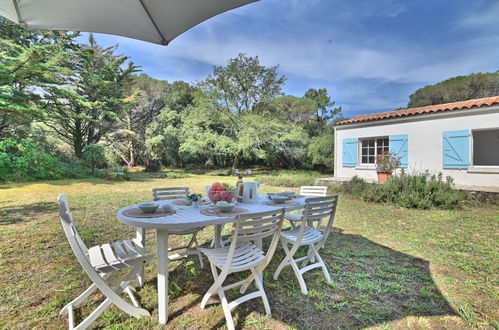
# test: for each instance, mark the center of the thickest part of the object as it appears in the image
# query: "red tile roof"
(476, 103)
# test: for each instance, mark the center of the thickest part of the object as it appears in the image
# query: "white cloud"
(335, 48)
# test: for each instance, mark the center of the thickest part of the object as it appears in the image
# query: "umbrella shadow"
(372, 285)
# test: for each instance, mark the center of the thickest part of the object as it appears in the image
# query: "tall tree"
(325, 110)
(165, 133)
(243, 84)
(89, 107)
(146, 97)
(30, 63)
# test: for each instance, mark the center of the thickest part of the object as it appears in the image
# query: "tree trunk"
(78, 140)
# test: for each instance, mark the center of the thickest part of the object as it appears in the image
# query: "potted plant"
(386, 163)
(194, 198)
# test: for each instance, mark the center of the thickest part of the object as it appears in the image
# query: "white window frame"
(375, 138)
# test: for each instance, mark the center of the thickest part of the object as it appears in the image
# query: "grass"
(287, 178)
(391, 267)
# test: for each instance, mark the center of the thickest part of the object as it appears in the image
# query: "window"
(486, 147)
(370, 148)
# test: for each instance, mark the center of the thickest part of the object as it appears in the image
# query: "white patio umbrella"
(157, 21)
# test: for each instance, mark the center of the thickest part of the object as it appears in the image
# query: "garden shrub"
(419, 191)
(22, 161)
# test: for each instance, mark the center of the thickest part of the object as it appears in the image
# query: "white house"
(459, 139)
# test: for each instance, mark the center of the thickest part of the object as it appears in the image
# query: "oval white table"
(184, 218)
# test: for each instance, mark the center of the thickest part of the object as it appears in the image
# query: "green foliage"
(85, 94)
(89, 108)
(419, 191)
(146, 98)
(324, 110)
(321, 151)
(285, 178)
(164, 135)
(94, 155)
(24, 162)
(243, 85)
(461, 88)
(28, 59)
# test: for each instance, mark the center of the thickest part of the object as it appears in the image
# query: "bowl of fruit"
(221, 192)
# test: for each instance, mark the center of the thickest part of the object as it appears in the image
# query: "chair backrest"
(79, 248)
(313, 191)
(169, 193)
(320, 208)
(254, 226)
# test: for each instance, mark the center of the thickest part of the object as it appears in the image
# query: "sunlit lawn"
(391, 267)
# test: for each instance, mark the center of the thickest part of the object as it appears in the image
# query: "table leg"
(162, 238)
(218, 236)
(141, 239)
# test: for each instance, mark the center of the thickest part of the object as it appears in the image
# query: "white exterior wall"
(425, 143)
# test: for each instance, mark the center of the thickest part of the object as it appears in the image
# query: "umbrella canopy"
(157, 21)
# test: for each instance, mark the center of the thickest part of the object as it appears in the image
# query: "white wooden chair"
(313, 237)
(309, 191)
(242, 255)
(100, 262)
(180, 193)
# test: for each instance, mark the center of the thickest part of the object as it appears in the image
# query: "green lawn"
(391, 267)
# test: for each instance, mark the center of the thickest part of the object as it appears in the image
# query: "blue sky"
(369, 54)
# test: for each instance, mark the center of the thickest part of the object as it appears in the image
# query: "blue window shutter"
(399, 145)
(349, 152)
(456, 149)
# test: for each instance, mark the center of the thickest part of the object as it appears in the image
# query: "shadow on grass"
(25, 213)
(372, 285)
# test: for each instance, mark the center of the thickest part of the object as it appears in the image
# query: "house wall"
(425, 143)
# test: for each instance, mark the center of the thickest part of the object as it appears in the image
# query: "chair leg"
(286, 261)
(261, 289)
(226, 309)
(132, 297)
(94, 315)
(196, 249)
(110, 299)
(75, 303)
(322, 264)
(121, 303)
(214, 287)
(299, 276)
(290, 261)
(310, 255)
(191, 248)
